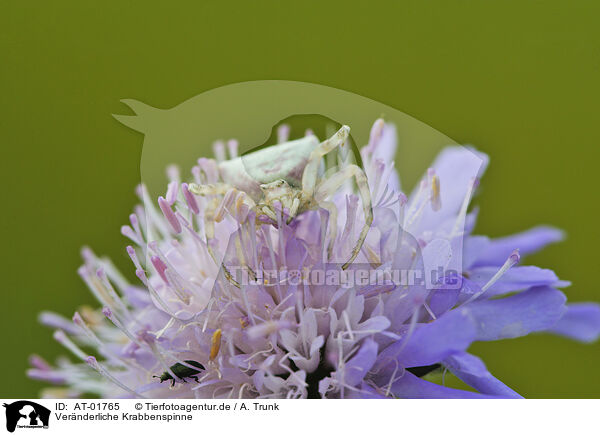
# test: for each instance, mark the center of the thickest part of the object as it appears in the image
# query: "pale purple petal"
(361, 363)
(473, 372)
(137, 297)
(436, 256)
(527, 242)
(442, 300)
(534, 310)
(410, 386)
(365, 392)
(385, 150)
(516, 278)
(432, 342)
(580, 322)
(456, 168)
(473, 246)
(52, 376)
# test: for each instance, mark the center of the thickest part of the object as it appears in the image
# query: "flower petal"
(436, 256)
(533, 310)
(527, 242)
(441, 300)
(580, 322)
(456, 168)
(471, 370)
(410, 386)
(516, 278)
(361, 363)
(385, 150)
(365, 392)
(432, 342)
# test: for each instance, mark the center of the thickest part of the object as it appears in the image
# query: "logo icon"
(26, 414)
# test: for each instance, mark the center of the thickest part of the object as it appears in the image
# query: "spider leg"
(195, 378)
(294, 208)
(209, 189)
(309, 176)
(332, 184)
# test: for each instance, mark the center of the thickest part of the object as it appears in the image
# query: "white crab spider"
(289, 173)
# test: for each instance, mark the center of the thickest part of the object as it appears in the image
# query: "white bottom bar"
(216, 417)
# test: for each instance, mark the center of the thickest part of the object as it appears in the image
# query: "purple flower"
(264, 288)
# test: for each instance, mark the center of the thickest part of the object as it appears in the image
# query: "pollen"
(215, 344)
(436, 201)
(91, 316)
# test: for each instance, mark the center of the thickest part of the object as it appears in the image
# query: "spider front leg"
(310, 175)
(311, 170)
(328, 187)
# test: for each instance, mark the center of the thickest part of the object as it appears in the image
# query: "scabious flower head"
(236, 300)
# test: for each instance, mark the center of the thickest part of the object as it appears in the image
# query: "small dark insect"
(181, 372)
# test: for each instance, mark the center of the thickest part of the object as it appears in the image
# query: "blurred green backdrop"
(519, 79)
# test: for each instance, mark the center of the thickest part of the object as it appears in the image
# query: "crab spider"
(288, 173)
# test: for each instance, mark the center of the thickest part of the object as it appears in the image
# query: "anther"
(169, 215)
(215, 344)
(190, 199)
(436, 199)
(171, 195)
(160, 267)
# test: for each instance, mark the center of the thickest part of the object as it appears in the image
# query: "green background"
(519, 79)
